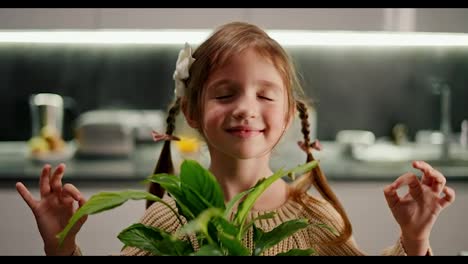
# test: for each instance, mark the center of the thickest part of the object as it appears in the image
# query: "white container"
(46, 111)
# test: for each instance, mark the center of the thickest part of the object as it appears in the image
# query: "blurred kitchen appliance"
(46, 112)
(359, 137)
(350, 139)
(114, 133)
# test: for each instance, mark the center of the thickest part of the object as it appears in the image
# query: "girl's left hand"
(417, 211)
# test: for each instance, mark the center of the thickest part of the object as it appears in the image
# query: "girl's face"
(245, 105)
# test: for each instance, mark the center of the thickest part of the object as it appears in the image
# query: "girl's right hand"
(54, 209)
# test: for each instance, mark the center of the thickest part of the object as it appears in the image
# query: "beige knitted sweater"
(314, 209)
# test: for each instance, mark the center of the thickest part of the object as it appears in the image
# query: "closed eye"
(265, 98)
(223, 97)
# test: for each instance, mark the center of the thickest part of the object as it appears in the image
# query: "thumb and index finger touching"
(414, 186)
(430, 177)
(49, 183)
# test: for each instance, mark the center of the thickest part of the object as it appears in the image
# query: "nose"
(246, 107)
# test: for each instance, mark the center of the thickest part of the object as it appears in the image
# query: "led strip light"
(284, 37)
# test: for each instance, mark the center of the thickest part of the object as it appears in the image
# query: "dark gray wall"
(353, 88)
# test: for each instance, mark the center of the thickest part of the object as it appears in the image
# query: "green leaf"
(232, 245)
(304, 168)
(200, 223)
(226, 234)
(265, 240)
(172, 185)
(298, 252)
(246, 205)
(224, 226)
(234, 200)
(163, 178)
(154, 240)
(105, 201)
(194, 200)
(202, 182)
(260, 187)
(252, 222)
(208, 250)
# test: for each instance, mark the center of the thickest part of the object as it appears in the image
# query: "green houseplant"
(206, 215)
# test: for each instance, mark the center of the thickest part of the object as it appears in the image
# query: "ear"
(190, 121)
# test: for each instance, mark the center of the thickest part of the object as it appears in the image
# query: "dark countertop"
(16, 166)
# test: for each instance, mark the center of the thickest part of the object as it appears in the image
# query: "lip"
(244, 131)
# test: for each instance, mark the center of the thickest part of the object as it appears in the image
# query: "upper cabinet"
(318, 18)
(171, 18)
(48, 18)
(361, 19)
(441, 20)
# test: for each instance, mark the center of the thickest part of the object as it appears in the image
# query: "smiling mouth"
(244, 132)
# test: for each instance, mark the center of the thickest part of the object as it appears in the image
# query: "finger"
(26, 195)
(391, 195)
(83, 219)
(432, 176)
(409, 179)
(448, 198)
(414, 186)
(44, 186)
(71, 190)
(82, 201)
(56, 181)
(424, 167)
(67, 200)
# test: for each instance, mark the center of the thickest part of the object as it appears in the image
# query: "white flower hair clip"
(181, 72)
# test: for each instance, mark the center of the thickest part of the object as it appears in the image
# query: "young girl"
(241, 92)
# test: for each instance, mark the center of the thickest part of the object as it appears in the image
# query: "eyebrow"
(263, 83)
(220, 82)
(268, 84)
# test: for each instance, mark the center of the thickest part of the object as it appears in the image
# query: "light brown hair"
(225, 42)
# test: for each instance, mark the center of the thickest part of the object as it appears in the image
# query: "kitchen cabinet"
(318, 18)
(270, 18)
(363, 19)
(441, 20)
(171, 18)
(48, 18)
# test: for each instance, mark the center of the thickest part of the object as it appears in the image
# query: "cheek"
(278, 113)
(213, 116)
(277, 120)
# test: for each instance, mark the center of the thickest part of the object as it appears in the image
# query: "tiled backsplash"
(353, 88)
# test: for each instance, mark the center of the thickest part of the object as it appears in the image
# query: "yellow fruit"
(38, 145)
(188, 145)
(55, 143)
(48, 141)
(49, 131)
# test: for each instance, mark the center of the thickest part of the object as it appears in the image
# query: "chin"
(251, 154)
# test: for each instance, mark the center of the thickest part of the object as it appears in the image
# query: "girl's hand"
(417, 211)
(54, 209)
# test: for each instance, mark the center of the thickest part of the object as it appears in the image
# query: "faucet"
(443, 89)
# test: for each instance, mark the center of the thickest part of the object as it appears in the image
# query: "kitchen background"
(360, 88)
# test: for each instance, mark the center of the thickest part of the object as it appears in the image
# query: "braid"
(318, 179)
(164, 164)
(304, 116)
